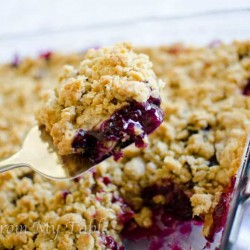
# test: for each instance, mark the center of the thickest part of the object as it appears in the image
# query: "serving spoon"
(39, 154)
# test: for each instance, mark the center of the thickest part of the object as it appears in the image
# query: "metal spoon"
(39, 154)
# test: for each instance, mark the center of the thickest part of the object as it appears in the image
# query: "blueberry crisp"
(110, 101)
(185, 174)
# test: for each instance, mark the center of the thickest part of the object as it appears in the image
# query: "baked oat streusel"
(188, 166)
(111, 100)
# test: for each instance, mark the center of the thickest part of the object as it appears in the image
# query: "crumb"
(206, 122)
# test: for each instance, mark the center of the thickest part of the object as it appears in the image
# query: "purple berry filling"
(176, 247)
(110, 243)
(186, 229)
(172, 216)
(221, 211)
(65, 193)
(166, 217)
(177, 202)
(46, 55)
(246, 90)
(126, 215)
(106, 180)
(120, 130)
(77, 179)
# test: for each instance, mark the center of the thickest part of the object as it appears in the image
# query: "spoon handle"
(12, 162)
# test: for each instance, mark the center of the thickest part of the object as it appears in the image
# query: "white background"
(29, 17)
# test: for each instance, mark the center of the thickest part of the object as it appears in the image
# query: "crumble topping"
(107, 80)
(198, 147)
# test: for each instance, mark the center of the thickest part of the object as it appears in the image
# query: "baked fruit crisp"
(110, 101)
(185, 174)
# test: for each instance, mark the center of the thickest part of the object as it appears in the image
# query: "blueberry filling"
(129, 124)
(221, 211)
(126, 215)
(106, 180)
(166, 216)
(77, 179)
(46, 55)
(176, 211)
(65, 193)
(110, 243)
(246, 90)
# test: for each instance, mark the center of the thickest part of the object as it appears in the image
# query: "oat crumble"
(107, 81)
(198, 147)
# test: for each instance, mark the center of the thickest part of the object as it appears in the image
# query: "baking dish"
(198, 29)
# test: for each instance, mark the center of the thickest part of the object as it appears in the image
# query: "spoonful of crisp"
(111, 101)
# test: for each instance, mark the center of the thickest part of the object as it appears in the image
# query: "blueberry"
(246, 90)
(119, 130)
